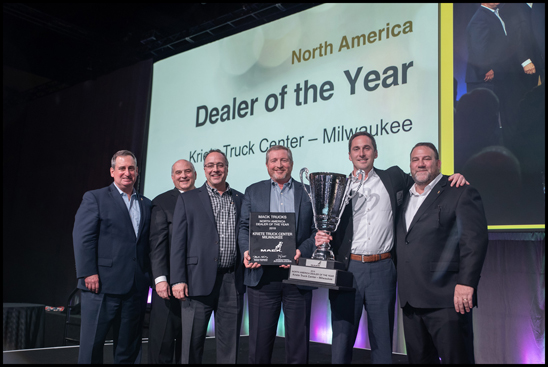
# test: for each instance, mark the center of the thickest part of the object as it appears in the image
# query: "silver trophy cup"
(329, 194)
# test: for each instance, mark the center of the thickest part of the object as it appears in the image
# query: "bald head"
(183, 175)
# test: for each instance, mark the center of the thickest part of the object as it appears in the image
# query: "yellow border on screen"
(447, 97)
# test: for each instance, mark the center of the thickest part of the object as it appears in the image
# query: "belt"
(370, 258)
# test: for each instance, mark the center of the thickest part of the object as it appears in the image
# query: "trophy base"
(321, 273)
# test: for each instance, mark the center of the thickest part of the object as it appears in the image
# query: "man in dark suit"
(488, 49)
(111, 232)
(490, 59)
(523, 34)
(266, 291)
(165, 316)
(205, 263)
(364, 242)
(441, 246)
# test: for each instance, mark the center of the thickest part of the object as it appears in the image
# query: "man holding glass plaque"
(364, 242)
(265, 290)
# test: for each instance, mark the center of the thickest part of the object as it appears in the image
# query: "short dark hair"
(361, 133)
(216, 151)
(122, 153)
(429, 145)
(280, 147)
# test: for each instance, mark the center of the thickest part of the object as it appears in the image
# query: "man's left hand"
(296, 258)
(463, 298)
(458, 180)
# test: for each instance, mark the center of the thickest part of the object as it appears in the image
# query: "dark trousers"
(124, 313)
(265, 302)
(375, 285)
(434, 335)
(164, 340)
(227, 305)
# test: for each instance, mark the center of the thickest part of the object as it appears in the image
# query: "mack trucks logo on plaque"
(272, 238)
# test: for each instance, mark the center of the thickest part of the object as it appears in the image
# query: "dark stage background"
(55, 149)
(59, 146)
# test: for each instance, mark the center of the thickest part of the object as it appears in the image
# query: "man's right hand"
(92, 283)
(180, 291)
(489, 76)
(247, 261)
(322, 237)
(162, 288)
(529, 68)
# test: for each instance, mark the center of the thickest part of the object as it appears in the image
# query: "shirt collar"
(428, 187)
(215, 191)
(121, 192)
(288, 184)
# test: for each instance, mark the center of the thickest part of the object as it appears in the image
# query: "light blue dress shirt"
(132, 205)
(282, 200)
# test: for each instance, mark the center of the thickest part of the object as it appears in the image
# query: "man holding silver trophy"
(364, 243)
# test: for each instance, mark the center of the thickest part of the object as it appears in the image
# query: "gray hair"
(280, 147)
(122, 153)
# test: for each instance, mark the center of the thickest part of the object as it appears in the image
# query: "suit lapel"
(206, 201)
(403, 209)
(434, 194)
(385, 179)
(297, 194)
(263, 204)
(237, 199)
(144, 215)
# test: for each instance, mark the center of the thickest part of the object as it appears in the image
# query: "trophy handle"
(361, 181)
(305, 171)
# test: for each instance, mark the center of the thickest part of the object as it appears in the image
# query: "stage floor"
(319, 354)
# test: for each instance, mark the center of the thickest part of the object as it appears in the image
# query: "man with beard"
(165, 315)
(364, 242)
(441, 246)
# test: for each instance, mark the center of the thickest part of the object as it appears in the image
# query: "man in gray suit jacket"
(266, 291)
(206, 265)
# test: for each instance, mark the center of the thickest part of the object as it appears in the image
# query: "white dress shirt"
(417, 199)
(373, 218)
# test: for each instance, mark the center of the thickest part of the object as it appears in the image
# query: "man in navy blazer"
(266, 291)
(441, 246)
(110, 235)
(206, 265)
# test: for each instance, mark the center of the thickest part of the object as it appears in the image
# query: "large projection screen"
(307, 81)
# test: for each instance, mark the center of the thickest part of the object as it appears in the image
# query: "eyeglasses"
(213, 165)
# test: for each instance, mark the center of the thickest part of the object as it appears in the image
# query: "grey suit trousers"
(227, 306)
